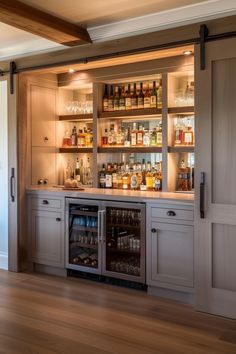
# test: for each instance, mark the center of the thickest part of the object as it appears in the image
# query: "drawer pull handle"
(45, 202)
(58, 219)
(171, 213)
(153, 230)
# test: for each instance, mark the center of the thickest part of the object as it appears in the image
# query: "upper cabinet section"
(43, 115)
(181, 92)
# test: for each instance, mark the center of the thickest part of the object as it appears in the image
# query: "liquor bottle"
(126, 178)
(159, 134)
(105, 100)
(88, 137)
(146, 138)
(153, 103)
(111, 135)
(153, 137)
(134, 179)
(128, 104)
(120, 177)
(147, 98)
(141, 97)
(82, 172)
(139, 174)
(140, 134)
(134, 135)
(77, 170)
(66, 140)
(143, 186)
(108, 178)
(111, 100)
(102, 177)
(134, 98)
(159, 95)
(122, 99)
(179, 138)
(105, 138)
(188, 134)
(119, 137)
(127, 137)
(81, 139)
(116, 99)
(149, 177)
(74, 137)
(114, 177)
(93, 260)
(88, 174)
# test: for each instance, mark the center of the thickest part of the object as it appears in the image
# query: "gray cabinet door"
(47, 231)
(170, 255)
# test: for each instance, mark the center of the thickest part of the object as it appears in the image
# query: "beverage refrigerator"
(106, 238)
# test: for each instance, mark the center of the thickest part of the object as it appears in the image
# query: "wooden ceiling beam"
(27, 18)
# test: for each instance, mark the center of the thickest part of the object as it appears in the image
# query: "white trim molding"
(202, 11)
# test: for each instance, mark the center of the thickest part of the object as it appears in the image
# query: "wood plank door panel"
(215, 235)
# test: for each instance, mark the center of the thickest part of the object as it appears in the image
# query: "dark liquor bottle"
(147, 98)
(105, 100)
(128, 104)
(111, 100)
(134, 98)
(102, 177)
(122, 99)
(116, 99)
(154, 96)
(74, 137)
(141, 97)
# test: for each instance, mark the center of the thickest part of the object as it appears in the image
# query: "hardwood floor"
(47, 315)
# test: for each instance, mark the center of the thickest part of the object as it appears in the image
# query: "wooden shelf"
(84, 228)
(181, 110)
(76, 117)
(85, 245)
(76, 150)
(132, 149)
(181, 149)
(131, 113)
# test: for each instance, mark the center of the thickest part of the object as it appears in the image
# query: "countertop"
(114, 194)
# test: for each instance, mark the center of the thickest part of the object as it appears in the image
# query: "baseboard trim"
(187, 298)
(41, 268)
(3, 261)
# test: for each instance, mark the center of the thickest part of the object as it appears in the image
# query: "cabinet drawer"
(172, 213)
(46, 203)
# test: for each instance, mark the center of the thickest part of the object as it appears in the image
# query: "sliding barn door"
(11, 187)
(215, 212)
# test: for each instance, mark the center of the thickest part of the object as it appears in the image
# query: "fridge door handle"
(99, 226)
(103, 223)
(202, 195)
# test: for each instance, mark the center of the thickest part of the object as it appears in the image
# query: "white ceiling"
(106, 19)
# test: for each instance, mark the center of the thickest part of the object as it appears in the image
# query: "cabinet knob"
(153, 230)
(45, 138)
(171, 213)
(46, 202)
(58, 219)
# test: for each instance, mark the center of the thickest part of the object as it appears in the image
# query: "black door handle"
(45, 202)
(12, 185)
(153, 230)
(202, 195)
(58, 219)
(171, 213)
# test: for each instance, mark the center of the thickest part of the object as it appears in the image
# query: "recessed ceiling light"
(188, 52)
(71, 71)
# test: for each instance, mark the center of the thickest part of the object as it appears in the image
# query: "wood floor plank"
(46, 315)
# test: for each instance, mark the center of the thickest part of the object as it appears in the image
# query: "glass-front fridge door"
(83, 235)
(124, 241)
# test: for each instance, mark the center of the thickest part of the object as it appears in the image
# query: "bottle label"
(116, 104)
(140, 102)
(134, 103)
(105, 104)
(122, 104)
(188, 138)
(140, 138)
(108, 181)
(110, 105)
(102, 181)
(147, 102)
(159, 138)
(119, 139)
(153, 101)
(133, 139)
(110, 140)
(134, 182)
(146, 140)
(128, 104)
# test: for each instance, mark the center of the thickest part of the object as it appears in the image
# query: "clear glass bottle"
(134, 135)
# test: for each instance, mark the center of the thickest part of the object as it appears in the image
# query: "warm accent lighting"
(188, 52)
(71, 71)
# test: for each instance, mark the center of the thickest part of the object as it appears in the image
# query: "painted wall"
(3, 177)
